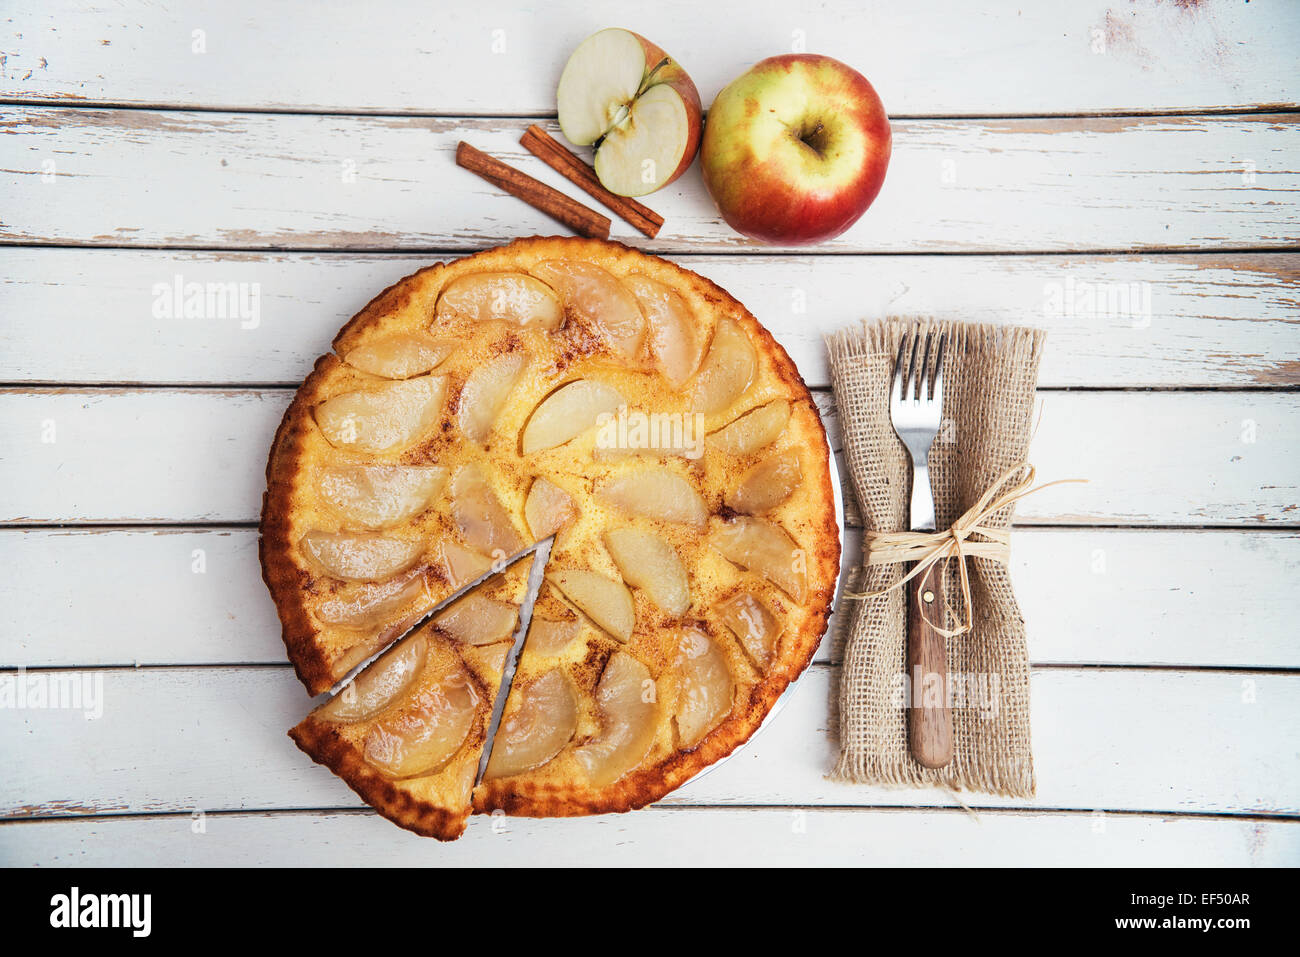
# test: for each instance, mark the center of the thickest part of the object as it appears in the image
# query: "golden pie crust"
(293, 507)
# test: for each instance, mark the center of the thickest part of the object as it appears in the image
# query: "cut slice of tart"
(407, 733)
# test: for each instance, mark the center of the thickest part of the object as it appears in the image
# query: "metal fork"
(916, 409)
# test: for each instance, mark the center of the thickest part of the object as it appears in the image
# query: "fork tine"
(918, 366)
(923, 369)
(898, 391)
(914, 370)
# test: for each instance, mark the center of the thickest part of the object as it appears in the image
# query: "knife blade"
(535, 576)
(497, 568)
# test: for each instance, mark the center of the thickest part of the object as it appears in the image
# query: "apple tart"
(575, 390)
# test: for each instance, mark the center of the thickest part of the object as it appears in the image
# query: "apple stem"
(625, 110)
(648, 80)
(810, 138)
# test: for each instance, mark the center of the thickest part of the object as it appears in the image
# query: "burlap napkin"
(990, 374)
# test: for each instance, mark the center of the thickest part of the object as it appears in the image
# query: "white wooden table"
(1123, 174)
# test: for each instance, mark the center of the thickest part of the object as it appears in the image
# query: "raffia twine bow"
(927, 548)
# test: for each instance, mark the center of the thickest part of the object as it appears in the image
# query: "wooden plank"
(1156, 597)
(221, 180)
(196, 455)
(713, 837)
(1163, 458)
(490, 57)
(194, 451)
(204, 602)
(214, 739)
(1136, 597)
(1162, 320)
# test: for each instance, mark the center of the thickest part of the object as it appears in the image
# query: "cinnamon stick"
(570, 212)
(554, 154)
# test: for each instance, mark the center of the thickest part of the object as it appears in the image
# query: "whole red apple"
(795, 150)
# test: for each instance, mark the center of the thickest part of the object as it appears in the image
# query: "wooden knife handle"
(929, 721)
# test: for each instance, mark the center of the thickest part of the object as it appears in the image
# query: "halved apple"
(756, 429)
(389, 417)
(628, 702)
(479, 514)
(380, 496)
(508, 296)
(477, 620)
(567, 412)
(379, 685)
(401, 356)
(656, 493)
(754, 624)
(485, 392)
(598, 301)
(727, 371)
(606, 602)
(538, 729)
(767, 484)
(548, 508)
(423, 734)
(637, 104)
(373, 605)
(706, 690)
(765, 549)
(360, 556)
(675, 341)
(647, 562)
